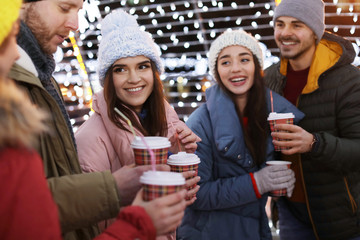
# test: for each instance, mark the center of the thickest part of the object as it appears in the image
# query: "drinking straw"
(177, 136)
(152, 156)
(272, 101)
(126, 119)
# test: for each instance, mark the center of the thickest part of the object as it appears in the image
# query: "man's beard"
(39, 28)
(295, 55)
(292, 57)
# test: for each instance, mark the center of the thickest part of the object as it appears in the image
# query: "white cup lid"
(183, 159)
(162, 178)
(152, 142)
(278, 162)
(276, 116)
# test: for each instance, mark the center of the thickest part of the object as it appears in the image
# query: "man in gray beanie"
(316, 74)
(310, 12)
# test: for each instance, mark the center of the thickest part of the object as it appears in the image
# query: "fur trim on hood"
(20, 120)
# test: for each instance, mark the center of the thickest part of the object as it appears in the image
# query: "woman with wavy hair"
(235, 145)
(129, 70)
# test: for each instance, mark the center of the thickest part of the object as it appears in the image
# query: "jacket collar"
(330, 52)
(24, 70)
(25, 62)
(226, 127)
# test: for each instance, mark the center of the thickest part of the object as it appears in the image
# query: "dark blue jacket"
(331, 102)
(226, 205)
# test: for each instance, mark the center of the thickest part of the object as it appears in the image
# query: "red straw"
(152, 156)
(177, 136)
(272, 101)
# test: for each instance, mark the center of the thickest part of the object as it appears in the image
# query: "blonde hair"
(21, 122)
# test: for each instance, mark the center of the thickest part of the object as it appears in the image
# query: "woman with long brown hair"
(129, 70)
(235, 144)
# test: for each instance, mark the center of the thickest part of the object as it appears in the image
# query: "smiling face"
(294, 38)
(51, 21)
(133, 80)
(236, 68)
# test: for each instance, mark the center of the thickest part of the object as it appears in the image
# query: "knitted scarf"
(45, 66)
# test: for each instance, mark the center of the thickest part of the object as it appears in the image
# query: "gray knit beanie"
(310, 12)
(231, 38)
(122, 37)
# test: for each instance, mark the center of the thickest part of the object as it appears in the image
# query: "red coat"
(132, 223)
(27, 210)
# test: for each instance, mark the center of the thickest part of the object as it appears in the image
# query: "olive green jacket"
(82, 199)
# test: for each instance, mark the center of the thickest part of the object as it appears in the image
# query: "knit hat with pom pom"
(122, 37)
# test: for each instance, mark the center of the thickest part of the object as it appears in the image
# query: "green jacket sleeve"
(84, 199)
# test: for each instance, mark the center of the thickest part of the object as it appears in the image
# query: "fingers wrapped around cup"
(158, 183)
(287, 181)
(280, 118)
(185, 162)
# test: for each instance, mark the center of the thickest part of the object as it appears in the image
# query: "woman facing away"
(24, 191)
(235, 144)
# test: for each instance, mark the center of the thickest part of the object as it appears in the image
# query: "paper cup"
(280, 192)
(183, 162)
(157, 184)
(159, 145)
(280, 118)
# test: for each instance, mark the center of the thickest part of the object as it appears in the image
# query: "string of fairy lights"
(91, 24)
(186, 19)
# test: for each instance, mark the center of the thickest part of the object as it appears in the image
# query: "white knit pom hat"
(122, 37)
(230, 38)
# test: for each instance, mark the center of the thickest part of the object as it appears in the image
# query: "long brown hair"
(257, 131)
(154, 123)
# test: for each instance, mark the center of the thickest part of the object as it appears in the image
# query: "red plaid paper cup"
(280, 118)
(159, 145)
(157, 184)
(184, 162)
(279, 192)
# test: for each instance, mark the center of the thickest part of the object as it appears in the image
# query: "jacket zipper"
(307, 200)
(305, 191)
(351, 198)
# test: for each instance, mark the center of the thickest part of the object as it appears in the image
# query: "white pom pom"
(117, 19)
